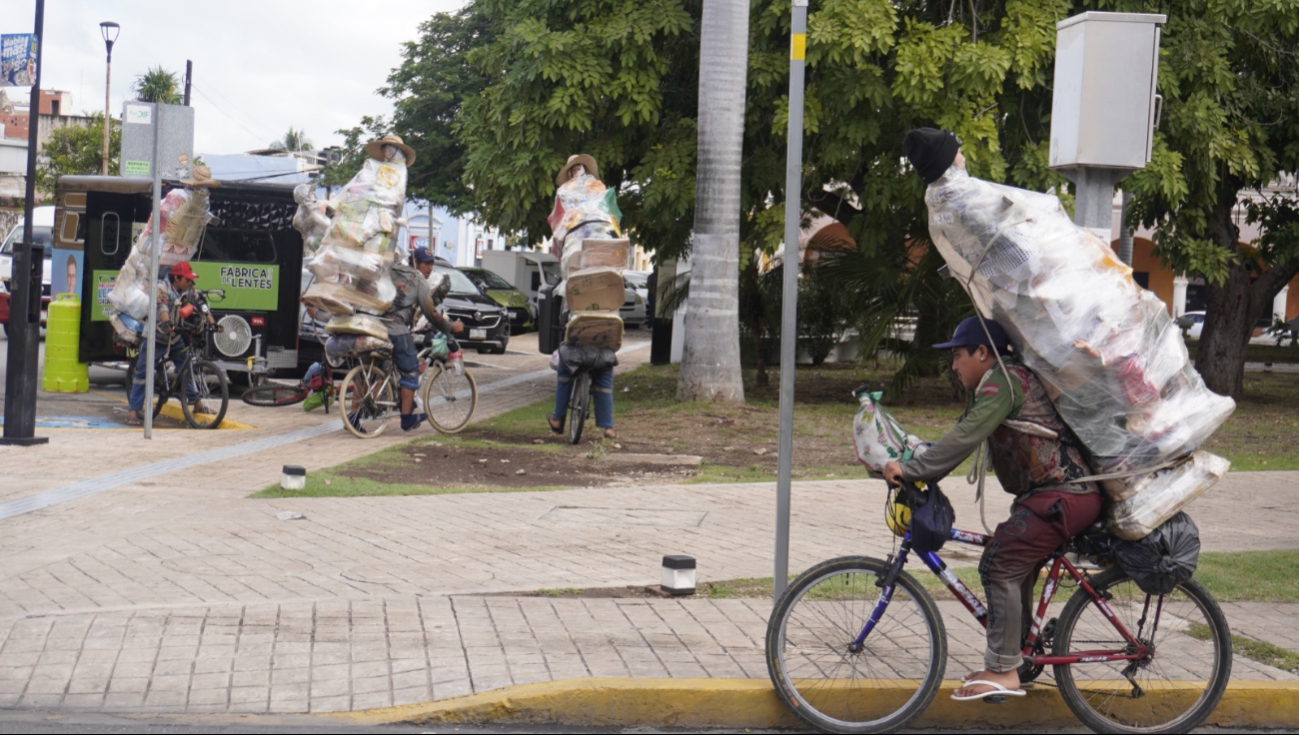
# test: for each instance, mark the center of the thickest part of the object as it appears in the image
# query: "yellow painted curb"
(173, 411)
(624, 702)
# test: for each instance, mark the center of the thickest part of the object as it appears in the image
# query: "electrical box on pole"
(1105, 108)
(175, 126)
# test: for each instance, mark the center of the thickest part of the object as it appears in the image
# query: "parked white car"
(1196, 319)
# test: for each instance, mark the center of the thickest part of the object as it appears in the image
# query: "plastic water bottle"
(457, 362)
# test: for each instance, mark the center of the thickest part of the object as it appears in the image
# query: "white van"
(42, 233)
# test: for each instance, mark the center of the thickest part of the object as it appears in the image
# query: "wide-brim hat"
(591, 168)
(200, 177)
(374, 149)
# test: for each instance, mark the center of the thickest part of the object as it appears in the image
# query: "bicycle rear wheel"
(1172, 691)
(449, 399)
(368, 401)
(209, 383)
(811, 657)
(578, 403)
(275, 394)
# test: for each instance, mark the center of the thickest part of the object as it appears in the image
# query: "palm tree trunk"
(710, 363)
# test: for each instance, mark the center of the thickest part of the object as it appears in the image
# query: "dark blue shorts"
(407, 359)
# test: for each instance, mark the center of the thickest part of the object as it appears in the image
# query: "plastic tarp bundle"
(310, 218)
(362, 324)
(1158, 496)
(879, 438)
(1111, 358)
(584, 200)
(184, 214)
(590, 252)
(358, 247)
(592, 255)
(341, 346)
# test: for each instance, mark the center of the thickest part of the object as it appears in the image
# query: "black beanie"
(930, 151)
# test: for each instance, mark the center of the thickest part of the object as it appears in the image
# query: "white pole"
(152, 350)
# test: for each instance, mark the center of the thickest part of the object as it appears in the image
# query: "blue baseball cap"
(422, 255)
(970, 334)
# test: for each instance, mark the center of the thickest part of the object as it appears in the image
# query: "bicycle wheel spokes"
(836, 687)
(578, 405)
(368, 401)
(1171, 691)
(450, 399)
(206, 381)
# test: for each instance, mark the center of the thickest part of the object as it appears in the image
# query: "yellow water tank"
(63, 374)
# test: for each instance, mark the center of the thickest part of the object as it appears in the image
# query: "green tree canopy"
(76, 150)
(158, 85)
(618, 79)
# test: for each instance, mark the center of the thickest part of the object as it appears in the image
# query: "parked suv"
(487, 325)
(499, 290)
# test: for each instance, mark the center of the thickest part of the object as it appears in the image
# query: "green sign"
(103, 281)
(248, 287)
(135, 168)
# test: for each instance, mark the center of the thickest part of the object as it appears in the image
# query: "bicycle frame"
(1135, 650)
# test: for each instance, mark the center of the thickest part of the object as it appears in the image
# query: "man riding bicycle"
(1037, 459)
(170, 297)
(413, 292)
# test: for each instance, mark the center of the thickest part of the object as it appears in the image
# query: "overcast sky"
(259, 66)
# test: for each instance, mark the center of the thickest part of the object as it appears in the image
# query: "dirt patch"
(511, 462)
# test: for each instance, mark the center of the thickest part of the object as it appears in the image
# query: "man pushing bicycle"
(413, 291)
(170, 298)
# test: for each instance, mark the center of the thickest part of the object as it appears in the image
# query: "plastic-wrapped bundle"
(310, 218)
(1107, 351)
(584, 200)
(341, 346)
(1159, 496)
(591, 252)
(879, 438)
(184, 214)
(358, 247)
(358, 324)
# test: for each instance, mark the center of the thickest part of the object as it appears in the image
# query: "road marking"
(113, 480)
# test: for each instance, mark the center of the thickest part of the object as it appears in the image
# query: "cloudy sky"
(259, 67)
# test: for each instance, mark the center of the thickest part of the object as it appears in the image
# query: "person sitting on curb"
(169, 297)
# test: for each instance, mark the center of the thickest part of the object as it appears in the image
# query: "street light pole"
(109, 30)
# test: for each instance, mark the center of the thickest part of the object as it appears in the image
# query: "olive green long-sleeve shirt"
(991, 403)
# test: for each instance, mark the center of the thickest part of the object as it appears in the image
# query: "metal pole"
(189, 76)
(155, 119)
(26, 277)
(108, 78)
(789, 306)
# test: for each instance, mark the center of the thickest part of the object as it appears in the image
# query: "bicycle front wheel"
(208, 382)
(275, 394)
(578, 403)
(368, 401)
(450, 399)
(1173, 690)
(837, 686)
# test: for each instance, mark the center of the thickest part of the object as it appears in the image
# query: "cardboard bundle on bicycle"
(1111, 358)
(183, 216)
(358, 247)
(593, 254)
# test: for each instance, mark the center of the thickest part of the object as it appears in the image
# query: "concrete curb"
(625, 702)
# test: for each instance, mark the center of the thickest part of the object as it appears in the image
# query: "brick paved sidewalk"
(176, 593)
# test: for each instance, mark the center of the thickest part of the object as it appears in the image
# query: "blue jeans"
(175, 353)
(601, 387)
(407, 359)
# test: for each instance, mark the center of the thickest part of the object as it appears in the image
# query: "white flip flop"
(996, 691)
(1022, 685)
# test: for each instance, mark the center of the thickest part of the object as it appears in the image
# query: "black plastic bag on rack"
(1165, 558)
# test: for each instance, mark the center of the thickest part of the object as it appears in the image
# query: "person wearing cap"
(171, 293)
(413, 293)
(932, 152)
(1037, 459)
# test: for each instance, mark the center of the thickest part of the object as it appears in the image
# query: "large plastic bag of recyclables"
(1111, 358)
(879, 438)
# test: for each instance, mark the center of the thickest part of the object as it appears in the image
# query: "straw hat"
(374, 149)
(582, 158)
(200, 177)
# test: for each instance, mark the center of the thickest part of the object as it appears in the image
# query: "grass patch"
(1249, 576)
(1256, 650)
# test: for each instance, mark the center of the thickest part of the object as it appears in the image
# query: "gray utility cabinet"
(1105, 108)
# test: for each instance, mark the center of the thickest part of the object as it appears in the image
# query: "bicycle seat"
(1094, 542)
